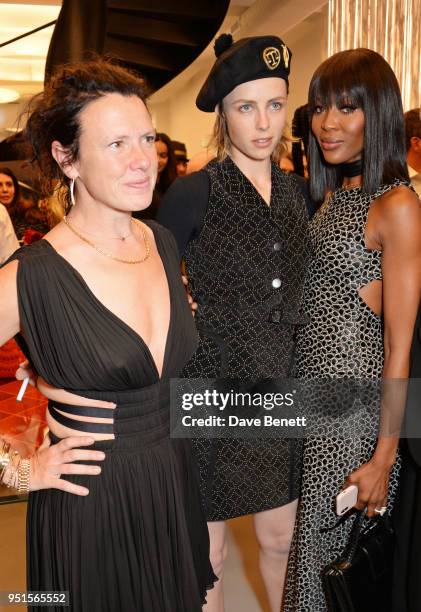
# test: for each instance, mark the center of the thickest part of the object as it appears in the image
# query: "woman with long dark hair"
(9, 188)
(23, 211)
(167, 166)
(362, 294)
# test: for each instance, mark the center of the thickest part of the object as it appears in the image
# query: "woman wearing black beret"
(241, 226)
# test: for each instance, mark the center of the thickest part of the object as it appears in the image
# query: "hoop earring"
(72, 191)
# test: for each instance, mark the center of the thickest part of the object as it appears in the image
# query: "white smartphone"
(346, 499)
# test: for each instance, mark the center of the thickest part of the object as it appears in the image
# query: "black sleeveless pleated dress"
(138, 541)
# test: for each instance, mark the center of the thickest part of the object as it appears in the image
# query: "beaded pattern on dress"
(247, 326)
(344, 339)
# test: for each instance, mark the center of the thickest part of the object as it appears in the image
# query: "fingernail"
(97, 470)
(85, 492)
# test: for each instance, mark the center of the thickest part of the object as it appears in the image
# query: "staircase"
(155, 38)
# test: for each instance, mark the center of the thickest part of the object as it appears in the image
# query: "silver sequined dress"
(344, 339)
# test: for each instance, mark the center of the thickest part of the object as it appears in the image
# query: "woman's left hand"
(372, 480)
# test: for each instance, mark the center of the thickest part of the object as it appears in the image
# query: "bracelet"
(14, 471)
(4, 459)
(11, 480)
(23, 472)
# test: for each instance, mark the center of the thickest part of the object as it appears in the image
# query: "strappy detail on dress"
(81, 345)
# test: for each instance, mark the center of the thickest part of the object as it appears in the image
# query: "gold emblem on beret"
(272, 57)
(286, 55)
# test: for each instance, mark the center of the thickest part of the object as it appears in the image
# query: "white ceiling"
(22, 63)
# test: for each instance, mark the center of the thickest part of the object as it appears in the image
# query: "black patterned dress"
(344, 339)
(246, 266)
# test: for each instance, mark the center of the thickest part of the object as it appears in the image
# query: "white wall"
(307, 43)
(174, 110)
(10, 115)
(181, 120)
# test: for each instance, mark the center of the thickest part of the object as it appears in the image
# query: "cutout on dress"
(371, 294)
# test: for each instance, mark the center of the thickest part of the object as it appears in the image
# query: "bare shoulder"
(401, 201)
(397, 212)
(59, 236)
(64, 242)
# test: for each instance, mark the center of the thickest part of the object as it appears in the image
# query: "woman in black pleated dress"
(102, 313)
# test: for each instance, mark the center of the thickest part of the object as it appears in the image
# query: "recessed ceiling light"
(8, 95)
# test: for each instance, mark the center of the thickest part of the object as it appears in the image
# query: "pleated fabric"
(139, 540)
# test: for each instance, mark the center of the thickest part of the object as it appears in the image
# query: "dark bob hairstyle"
(361, 78)
(54, 114)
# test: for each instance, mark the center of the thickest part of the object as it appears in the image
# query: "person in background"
(54, 206)
(9, 188)
(181, 159)
(300, 135)
(167, 168)
(10, 355)
(22, 208)
(413, 146)
(167, 173)
(200, 159)
(8, 241)
(407, 514)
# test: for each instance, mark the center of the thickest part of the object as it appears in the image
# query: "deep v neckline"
(118, 319)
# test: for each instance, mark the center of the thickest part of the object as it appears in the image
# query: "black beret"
(248, 59)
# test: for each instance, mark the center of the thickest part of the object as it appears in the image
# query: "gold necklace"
(121, 238)
(106, 253)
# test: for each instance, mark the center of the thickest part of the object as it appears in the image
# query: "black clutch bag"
(361, 579)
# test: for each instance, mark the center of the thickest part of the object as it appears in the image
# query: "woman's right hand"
(192, 303)
(51, 461)
(25, 371)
